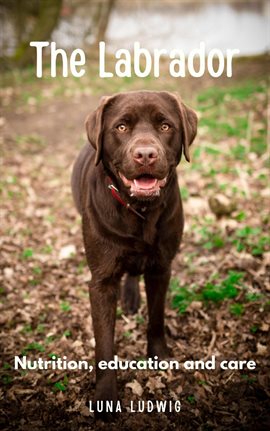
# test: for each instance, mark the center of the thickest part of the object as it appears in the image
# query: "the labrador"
(125, 187)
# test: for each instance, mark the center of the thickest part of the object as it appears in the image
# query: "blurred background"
(155, 24)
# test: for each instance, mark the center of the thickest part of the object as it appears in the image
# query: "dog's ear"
(94, 127)
(189, 121)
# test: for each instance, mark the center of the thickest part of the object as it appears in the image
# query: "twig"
(243, 181)
(211, 345)
(229, 378)
(125, 318)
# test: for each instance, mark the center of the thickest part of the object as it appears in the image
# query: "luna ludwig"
(140, 406)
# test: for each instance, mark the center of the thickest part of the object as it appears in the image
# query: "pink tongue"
(145, 183)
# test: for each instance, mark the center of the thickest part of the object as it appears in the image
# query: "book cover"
(170, 98)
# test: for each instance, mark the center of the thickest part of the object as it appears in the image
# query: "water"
(176, 26)
(218, 25)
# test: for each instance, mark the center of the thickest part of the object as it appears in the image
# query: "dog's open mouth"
(144, 185)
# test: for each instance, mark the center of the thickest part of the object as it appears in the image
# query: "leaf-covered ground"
(218, 303)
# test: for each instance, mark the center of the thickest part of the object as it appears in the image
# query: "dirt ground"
(44, 297)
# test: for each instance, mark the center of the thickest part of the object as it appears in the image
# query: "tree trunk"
(48, 14)
(103, 19)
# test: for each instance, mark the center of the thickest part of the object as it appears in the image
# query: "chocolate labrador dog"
(125, 187)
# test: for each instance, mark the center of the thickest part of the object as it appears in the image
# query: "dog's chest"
(145, 230)
(145, 250)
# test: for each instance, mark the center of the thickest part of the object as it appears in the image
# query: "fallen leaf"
(261, 349)
(67, 252)
(154, 383)
(135, 387)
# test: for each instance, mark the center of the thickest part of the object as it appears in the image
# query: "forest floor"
(218, 302)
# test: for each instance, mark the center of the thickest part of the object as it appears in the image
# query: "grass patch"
(214, 96)
(61, 385)
(27, 253)
(215, 292)
(251, 240)
(237, 309)
(210, 239)
(65, 306)
(36, 347)
(226, 289)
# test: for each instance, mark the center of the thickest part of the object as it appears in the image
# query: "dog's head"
(140, 137)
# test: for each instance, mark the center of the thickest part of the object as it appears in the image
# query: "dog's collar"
(116, 195)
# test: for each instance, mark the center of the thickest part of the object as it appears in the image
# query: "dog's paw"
(158, 347)
(106, 409)
(106, 405)
(105, 416)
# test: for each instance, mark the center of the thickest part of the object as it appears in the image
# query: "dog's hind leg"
(130, 294)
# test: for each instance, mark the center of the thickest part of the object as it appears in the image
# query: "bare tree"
(102, 19)
(35, 20)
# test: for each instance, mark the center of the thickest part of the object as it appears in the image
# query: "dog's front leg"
(103, 298)
(156, 284)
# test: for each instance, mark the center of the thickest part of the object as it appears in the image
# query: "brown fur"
(116, 240)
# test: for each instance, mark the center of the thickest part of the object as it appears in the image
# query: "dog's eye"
(121, 128)
(164, 127)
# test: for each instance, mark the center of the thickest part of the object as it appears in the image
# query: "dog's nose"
(145, 155)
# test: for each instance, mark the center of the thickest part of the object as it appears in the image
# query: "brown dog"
(125, 187)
